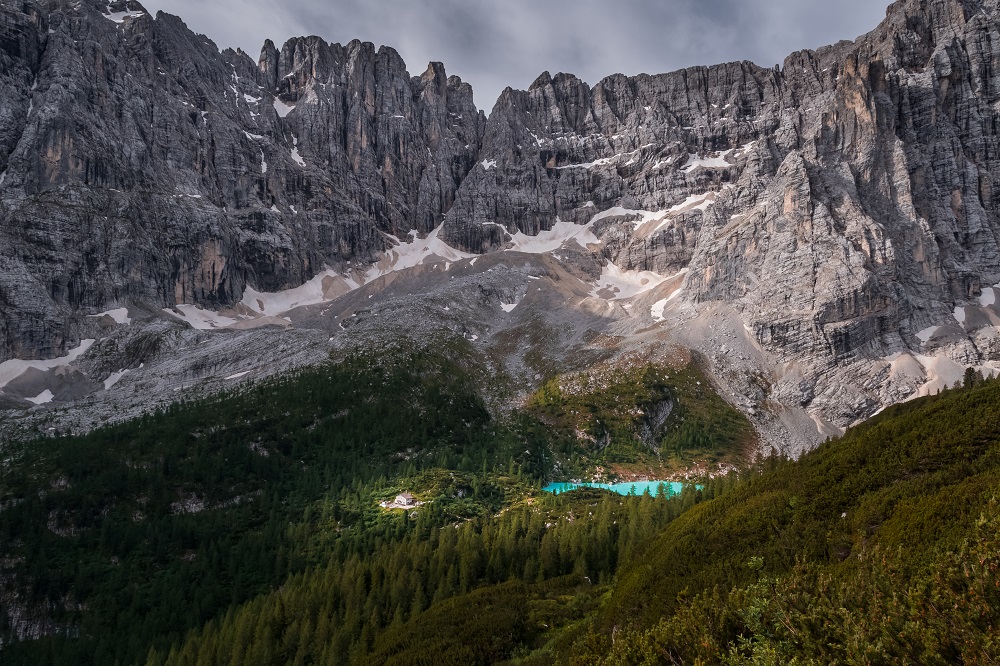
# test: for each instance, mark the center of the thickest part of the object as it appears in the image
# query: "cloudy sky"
(496, 43)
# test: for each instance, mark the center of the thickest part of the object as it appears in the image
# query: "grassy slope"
(913, 481)
(609, 418)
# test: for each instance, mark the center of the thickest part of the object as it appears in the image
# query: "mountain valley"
(290, 347)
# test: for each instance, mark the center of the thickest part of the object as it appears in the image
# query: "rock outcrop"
(843, 203)
(140, 164)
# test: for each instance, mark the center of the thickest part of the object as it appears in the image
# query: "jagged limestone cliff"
(841, 206)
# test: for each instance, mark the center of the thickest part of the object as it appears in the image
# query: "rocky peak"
(841, 205)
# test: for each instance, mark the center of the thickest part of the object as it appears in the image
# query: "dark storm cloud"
(496, 43)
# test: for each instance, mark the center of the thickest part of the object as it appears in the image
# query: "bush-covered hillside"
(248, 529)
(879, 547)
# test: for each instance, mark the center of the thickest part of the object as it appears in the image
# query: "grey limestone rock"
(841, 203)
(143, 165)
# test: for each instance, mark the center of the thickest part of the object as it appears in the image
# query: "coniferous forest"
(248, 529)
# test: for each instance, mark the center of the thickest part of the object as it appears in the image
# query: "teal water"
(624, 488)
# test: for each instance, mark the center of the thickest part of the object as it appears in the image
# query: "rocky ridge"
(835, 219)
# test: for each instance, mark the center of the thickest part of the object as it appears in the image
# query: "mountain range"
(824, 233)
(245, 305)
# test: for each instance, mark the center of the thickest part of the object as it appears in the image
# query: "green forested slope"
(429, 593)
(134, 534)
(246, 529)
(879, 547)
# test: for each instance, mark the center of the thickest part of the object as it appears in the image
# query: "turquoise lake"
(624, 488)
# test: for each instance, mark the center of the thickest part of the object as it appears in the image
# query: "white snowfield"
(10, 370)
(282, 108)
(616, 284)
(120, 17)
(656, 311)
(719, 162)
(555, 238)
(925, 335)
(329, 285)
(295, 152)
(113, 379)
(42, 398)
(320, 289)
(120, 316)
(415, 252)
(604, 161)
(198, 318)
(617, 211)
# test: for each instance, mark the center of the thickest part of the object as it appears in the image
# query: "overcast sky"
(496, 43)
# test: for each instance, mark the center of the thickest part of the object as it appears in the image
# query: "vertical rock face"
(142, 165)
(842, 203)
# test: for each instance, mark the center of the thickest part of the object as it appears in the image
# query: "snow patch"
(553, 239)
(12, 369)
(644, 215)
(199, 318)
(419, 251)
(113, 379)
(120, 17)
(508, 307)
(120, 316)
(925, 335)
(960, 315)
(295, 152)
(719, 162)
(695, 162)
(322, 288)
(616, 284)
(657, 309)
(238, 375)
(489, 164)
(988, 297)
(282, 108)
(42, 398)
(604, 161)
(329, 284)
(263, 163)
(694, 202)
(253, 137)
